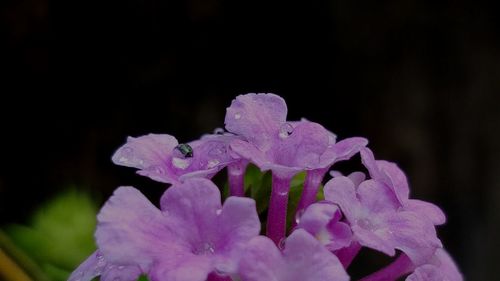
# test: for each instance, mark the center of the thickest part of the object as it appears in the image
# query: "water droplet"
(185, 150)
(298, 215)
(205, 249)
(219, 131)
(217, 150)
(212, 163)
(181, 163)
(281, 244)
(366, 224)
(286, 130)
(218, 211)
(237, 116)
(100, 260)
(159, 170)
(125, 154)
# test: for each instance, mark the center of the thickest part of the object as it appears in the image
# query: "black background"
(419, 79)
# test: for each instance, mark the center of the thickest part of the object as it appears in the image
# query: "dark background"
(419, 79)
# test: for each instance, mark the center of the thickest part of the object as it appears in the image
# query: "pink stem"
(311, 186)
(276, 216)
(236, 178)
(399, 267)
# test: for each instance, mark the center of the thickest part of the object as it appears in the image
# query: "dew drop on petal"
(366, 224)
(205, 249)
(298, 215)
(181, 163)
(237, 116)
(125, 155)
(285, 130)
(218, 211)
(159, 170)
(219, 131)
(217, 150)
(281, 244)
(212, 163)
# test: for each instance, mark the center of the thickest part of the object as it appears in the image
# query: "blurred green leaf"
(60, 233)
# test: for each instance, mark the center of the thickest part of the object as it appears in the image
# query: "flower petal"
(433, 212)
(303, 147)
(342, 150)
(128, 225)
(96, 265)
(376, 197)
(262, 261)
(341, 191)
(257, 117)
(237, 223)
(317, 216)
(413, 235)
(308, 260)
(193, 205)
(182, 268)
(150, 154)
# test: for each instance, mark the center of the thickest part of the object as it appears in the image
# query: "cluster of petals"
(194, 236)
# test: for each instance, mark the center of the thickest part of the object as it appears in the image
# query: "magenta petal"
(256, 117)
(376, 197)
(96, 265)
(194, 204)
(341, 236)
(120, 272)
(182, 268)
(441, 268)
(261, 261)
(249, 151)
(128, 225)
(342, 150)
(237, 223)
(90, 268)
(430, 210)
(303, 259)
(413, 235)
(317, 216)
(341, 191)
(373, 240)
(397, 179)
(303, 148)
(150, 154)
(308, 260)
(145, 151)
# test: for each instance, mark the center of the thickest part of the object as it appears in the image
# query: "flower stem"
(311, 186)
(276, 216)
(236, 178)
(347, 255)
(399, 267)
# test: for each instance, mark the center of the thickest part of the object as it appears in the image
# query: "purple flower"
(303, 259)
(391, 176)
(95, 265)
(440, 268)
(377, 222)
(285, 148)
(322, 220)
(189, 238)
(161, 158)
(269, 141)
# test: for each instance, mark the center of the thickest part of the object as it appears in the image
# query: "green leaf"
(60, 234)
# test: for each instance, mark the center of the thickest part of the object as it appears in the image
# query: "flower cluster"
(194, 236)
